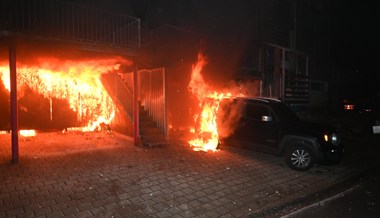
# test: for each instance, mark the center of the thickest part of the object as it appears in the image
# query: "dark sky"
(355, 45)
(355, 29)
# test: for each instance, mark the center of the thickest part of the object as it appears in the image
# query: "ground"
(103, 174)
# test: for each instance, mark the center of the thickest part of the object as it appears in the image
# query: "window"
(256, 111)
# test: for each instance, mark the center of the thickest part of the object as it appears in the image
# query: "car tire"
(299, 158)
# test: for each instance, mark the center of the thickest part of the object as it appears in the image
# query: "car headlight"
(333, 138)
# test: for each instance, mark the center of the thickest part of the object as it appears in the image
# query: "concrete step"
(154, 140)
(150, 131)
(145, 118)
(148, 124)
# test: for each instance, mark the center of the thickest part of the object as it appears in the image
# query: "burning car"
(270, 126)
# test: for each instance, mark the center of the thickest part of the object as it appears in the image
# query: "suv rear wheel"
(299, 158)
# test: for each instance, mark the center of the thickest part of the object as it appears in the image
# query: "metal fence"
(153, 96)
(152, 93)
(57, 18)
(119, 92)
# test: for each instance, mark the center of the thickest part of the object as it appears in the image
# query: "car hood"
(310, 128)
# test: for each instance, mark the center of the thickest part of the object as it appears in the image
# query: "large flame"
(206, 131)
(78, 82)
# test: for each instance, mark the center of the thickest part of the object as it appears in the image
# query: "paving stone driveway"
(104, 175)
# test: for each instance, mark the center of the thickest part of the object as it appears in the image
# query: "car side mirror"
(266, 118)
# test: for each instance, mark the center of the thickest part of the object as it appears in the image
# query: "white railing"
(153, 95)
(65, 20)
(119, 92)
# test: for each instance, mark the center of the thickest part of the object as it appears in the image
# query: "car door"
(260, 127)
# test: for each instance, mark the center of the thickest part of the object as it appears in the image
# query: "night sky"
(355, 46)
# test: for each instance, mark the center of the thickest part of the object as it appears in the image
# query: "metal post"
(164, 92)
(138, 33)
(135, 105)
(14, 111)
(283, 75)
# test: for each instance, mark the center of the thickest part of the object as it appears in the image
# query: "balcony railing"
(65, 20)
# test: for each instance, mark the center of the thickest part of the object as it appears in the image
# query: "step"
(150, 131)
(154, 140)
(145, 118)
(147, 124)
(143, 113)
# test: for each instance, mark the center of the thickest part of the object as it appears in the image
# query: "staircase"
(151, 135)
(152, 125)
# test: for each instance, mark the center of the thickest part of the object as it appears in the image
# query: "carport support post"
(136, 89)
(13, 92)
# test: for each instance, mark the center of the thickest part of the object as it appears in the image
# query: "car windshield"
(284, 113)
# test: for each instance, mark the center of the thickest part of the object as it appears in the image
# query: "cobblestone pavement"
(105, 175)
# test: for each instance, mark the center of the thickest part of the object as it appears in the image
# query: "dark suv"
(270, 126)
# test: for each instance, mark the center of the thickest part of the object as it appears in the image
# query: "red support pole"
(14, 108)
(135, 105)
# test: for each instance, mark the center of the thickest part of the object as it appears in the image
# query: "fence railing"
(119, 92)
(61, 19)
(152, 95)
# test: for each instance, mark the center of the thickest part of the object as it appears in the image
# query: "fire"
(27, 132)
(78, 82)
(4, 76)
(23, 132)
(207, 138)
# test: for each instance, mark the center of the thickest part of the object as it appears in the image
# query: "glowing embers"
(77, 82)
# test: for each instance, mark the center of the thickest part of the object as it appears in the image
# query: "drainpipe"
(14, 111)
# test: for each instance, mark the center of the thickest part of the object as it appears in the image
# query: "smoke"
(243, 88)
(231, 109)
(228, 118)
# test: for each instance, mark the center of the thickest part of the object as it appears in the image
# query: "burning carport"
(65, 53)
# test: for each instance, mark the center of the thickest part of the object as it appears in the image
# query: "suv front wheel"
(299, 158)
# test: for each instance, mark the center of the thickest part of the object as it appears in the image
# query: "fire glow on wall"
(75, 82)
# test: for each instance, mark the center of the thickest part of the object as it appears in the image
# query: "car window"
(284, 113)
(256, 111)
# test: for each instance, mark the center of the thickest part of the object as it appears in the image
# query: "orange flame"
(77, 82)
(4, 76)
(28, 132)
(207, 138)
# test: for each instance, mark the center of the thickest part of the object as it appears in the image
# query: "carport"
(64, 30)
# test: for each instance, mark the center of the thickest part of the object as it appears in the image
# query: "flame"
(78, 82)
(207, 138)
(23, 132)
(28, 132)
(4, 75)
